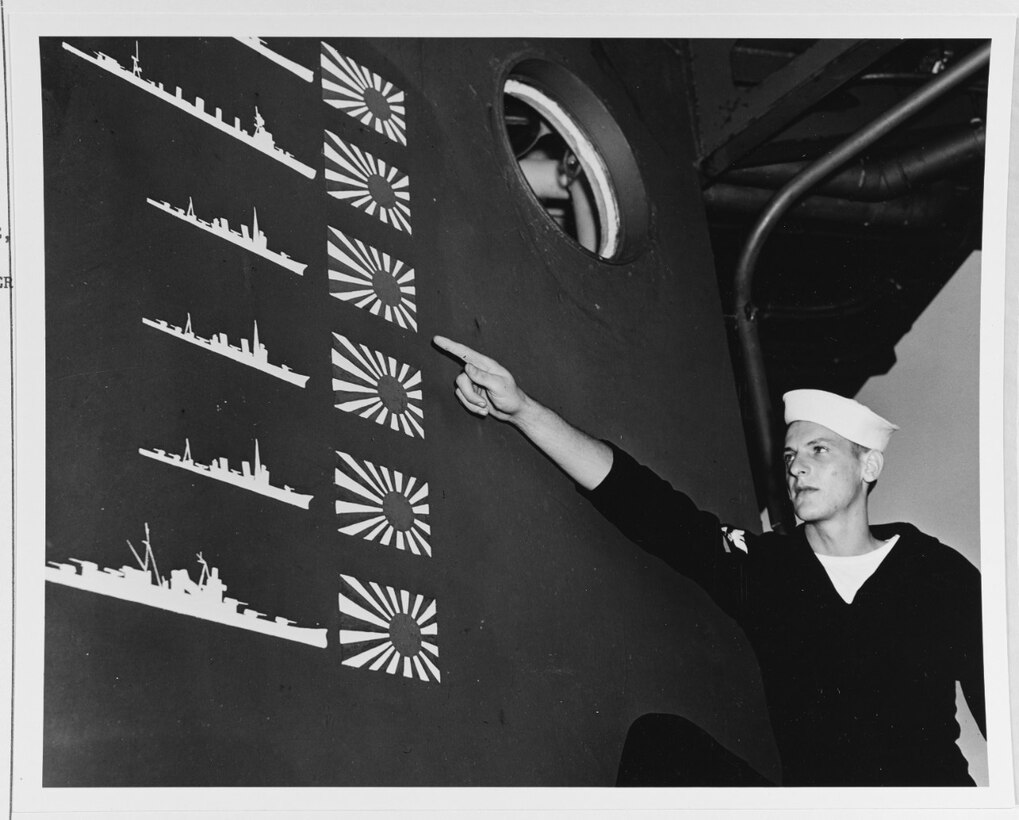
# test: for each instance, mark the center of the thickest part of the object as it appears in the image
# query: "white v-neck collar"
(849, 572)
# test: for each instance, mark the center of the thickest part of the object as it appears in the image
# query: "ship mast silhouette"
(149, 560)
(205, 569)
(136, 66)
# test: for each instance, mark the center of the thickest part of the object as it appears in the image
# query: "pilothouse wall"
(554, 632)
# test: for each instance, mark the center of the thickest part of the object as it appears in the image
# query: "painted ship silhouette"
(252, 476)
(253, 240)
(252, 354)
(258, 44)
(203, 599)
(260, 139)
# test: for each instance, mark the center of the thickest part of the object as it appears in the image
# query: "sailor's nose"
(797, 466)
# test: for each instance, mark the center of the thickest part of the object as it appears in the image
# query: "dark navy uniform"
(858, 694)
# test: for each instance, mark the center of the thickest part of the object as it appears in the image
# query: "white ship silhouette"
(202, 599)
(253, 240)
(252, 354)
(259, 139)
(255, 480)
(259, 45)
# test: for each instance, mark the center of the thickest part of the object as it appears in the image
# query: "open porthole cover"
(572, 112)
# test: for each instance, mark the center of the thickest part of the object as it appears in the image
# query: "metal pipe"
(880, 180)
(746, 314)
(918, 211)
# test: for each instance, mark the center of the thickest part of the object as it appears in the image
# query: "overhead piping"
(917, 211)
(746, 314)
(878, 180)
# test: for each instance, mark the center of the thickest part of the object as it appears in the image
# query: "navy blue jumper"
(858, 694)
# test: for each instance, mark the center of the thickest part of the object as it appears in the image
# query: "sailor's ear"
(872, 461)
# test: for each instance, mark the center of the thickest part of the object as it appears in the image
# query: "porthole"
(574, 158)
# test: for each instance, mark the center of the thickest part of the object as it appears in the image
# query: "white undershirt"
(849, 572)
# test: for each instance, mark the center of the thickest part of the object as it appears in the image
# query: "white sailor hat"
(847, 417)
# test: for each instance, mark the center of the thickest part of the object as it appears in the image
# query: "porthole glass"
(574, 157)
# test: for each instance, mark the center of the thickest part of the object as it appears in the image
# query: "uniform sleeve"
(667, 524)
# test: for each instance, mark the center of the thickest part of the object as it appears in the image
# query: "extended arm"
(486, 388)
(642, 505)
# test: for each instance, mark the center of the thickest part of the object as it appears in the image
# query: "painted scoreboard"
(344, 579)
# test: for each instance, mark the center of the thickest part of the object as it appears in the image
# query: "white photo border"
(24, 27)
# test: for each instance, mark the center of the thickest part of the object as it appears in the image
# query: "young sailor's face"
(824, 475)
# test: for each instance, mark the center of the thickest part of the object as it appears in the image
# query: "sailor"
(861, 632)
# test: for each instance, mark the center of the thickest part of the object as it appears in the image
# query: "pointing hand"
(484, 386)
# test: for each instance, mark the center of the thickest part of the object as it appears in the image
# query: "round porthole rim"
(583, 146)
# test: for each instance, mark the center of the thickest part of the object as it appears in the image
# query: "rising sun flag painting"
(371, 280)
(387, 630)
(363, 94)
(387, 507)
(367, 182)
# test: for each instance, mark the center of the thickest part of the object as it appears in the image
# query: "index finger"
(461, 351)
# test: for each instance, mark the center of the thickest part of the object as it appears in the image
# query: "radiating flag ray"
(372, 280)
(386, 656)
(429, 613)
(377, 387)
(367, 183)
(368, 597)
(364, 95)
(358, 635)
(382, 629)
(365, 657)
